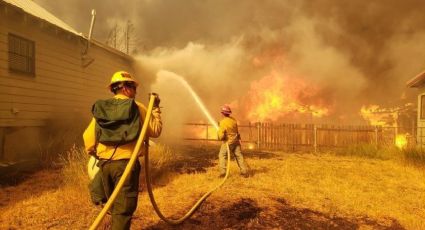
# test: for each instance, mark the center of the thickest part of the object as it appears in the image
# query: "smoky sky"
(359, 52)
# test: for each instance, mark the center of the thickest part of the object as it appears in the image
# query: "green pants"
(126, 202)
(97, 192)
(235, 149)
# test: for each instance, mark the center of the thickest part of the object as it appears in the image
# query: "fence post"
(250, 132)
(315, 138)
(206, 132)
(376, 136)
(258, 135)
(395, 135)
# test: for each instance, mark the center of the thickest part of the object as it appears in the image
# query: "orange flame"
(277, 95)
(377, 116)
(401, 141)
(251, 146)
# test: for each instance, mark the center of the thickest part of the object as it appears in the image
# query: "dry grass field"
(284, 191)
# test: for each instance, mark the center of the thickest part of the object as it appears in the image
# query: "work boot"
(245, 175)
(222, 175)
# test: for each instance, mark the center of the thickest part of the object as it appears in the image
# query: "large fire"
(385, 117)
(390, 118)
(278, 95)
(377, 116)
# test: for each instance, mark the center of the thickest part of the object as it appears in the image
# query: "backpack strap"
(115, 149)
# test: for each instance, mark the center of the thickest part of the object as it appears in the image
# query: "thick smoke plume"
(353, 52)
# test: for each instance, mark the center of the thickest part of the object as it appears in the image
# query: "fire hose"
(130, 165)
(195, 206)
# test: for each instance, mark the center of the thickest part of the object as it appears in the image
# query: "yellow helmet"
(122, 76)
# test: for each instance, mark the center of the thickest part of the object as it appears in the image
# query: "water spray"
(168, 74)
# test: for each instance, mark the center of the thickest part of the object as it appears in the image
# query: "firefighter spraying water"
(153, 104)
(227, 130)
(114, 137)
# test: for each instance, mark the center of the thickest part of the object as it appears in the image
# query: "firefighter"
(228, 133)
(114, 158)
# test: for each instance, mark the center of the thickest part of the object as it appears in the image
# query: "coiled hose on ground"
(197, 204)
(130, 165)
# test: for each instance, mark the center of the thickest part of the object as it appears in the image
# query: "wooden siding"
(61, 86)
(420, 133)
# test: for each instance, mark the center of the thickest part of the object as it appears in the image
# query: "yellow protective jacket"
(123, 151)
(228, 130)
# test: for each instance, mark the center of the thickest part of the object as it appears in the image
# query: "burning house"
(49, 78)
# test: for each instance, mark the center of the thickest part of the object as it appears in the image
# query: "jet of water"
(168, 74)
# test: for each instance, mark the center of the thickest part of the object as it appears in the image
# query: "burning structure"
(46, 74)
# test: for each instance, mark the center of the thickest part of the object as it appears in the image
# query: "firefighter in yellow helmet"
(114, 156)
(228, 132)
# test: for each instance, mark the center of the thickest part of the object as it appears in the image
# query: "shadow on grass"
(14, 179)
(16, 173)
(246, 214)
(30, 184)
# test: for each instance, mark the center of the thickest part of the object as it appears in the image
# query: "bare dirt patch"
(25, 185)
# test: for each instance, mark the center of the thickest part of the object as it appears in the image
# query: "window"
(422, 106)
(21, 55)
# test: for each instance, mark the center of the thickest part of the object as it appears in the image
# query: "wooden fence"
(294, 137)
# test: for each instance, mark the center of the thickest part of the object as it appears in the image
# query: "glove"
(156, 101)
